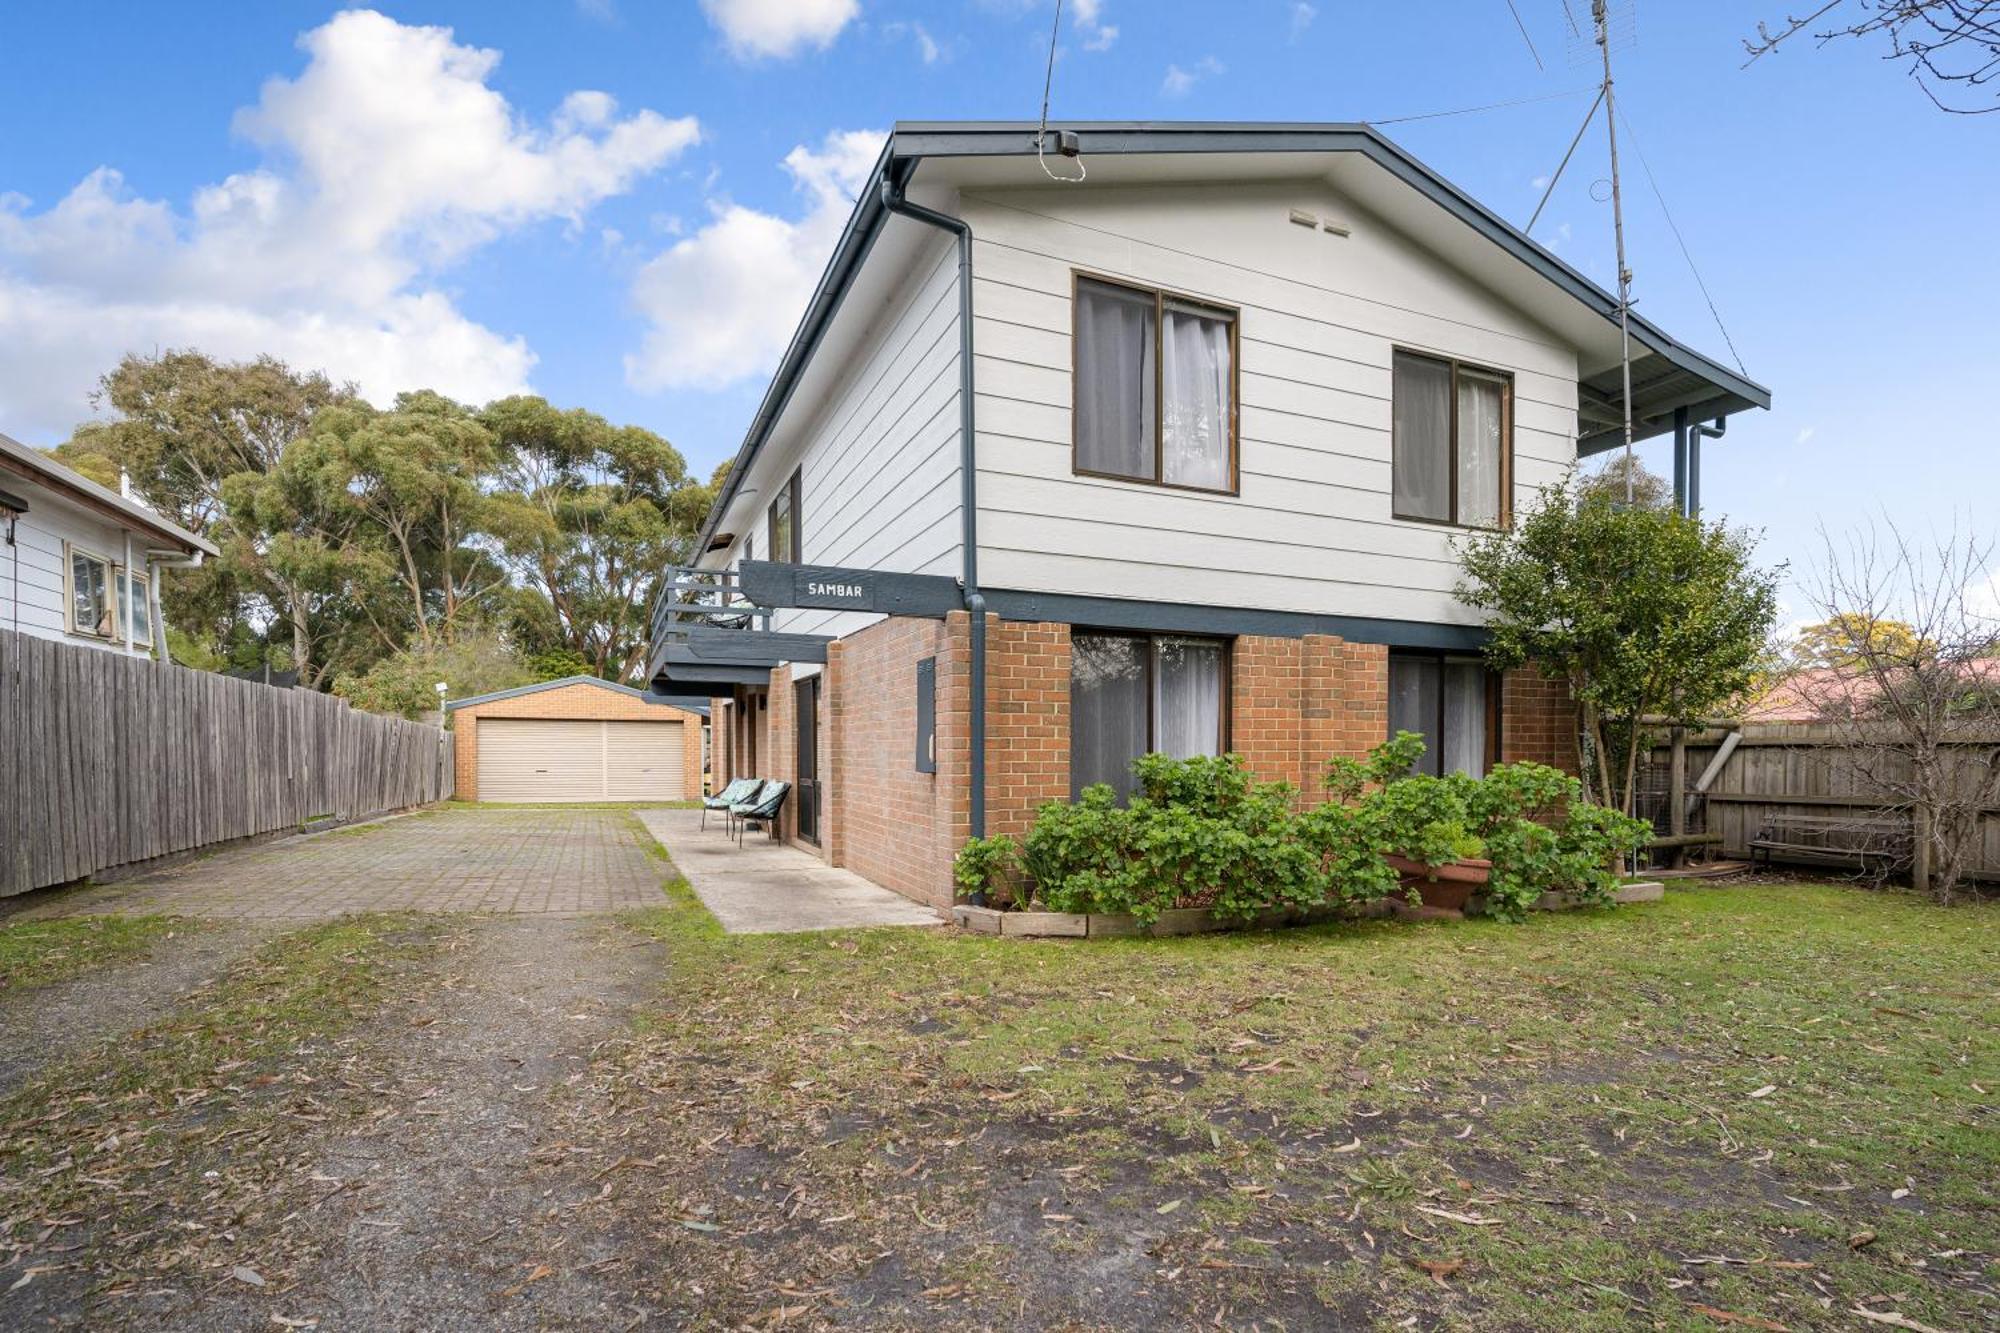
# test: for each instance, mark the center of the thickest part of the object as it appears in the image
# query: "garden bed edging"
(1198, 920)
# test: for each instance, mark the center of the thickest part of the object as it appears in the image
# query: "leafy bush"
(983, 869)
(1203, 833)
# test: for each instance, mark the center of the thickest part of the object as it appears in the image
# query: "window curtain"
(1480, 404)
(1195, 446)
(1187, 697)
(1464, 749)
(1107, 711)
(1420, 437)
(1114, 380)
(1413, 705)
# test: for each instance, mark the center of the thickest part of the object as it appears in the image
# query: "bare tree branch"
(1950, 47)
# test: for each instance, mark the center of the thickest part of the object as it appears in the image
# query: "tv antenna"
(1601, 21)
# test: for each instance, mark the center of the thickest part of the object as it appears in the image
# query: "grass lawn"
(39, 953)
(1752, 1107)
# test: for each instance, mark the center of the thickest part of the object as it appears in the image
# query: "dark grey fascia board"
(687, 703)
(678, 677)
(1226, 621)
(708, 643)
(452, 705)
(776, 585)
(1657, 423)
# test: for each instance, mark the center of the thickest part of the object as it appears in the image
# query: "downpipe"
(1696, 434)
(975, 602)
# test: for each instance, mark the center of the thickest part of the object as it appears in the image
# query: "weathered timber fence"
(106, 760)
(1785, 770)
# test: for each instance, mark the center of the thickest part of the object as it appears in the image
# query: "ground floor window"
(1134, 694)
(1453, 703)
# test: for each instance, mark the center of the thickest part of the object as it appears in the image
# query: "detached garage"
(576, 739)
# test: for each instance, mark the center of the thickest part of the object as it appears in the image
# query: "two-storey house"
(1166, 459)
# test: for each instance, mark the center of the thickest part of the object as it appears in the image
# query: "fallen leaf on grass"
(1749, 1320)
(1439, 1269)
(1860, 1239)
(1465, 1219)
(1168, 1207)
(1895, 1320)
(283, 1322)
(247, 1275)
(540, 1271)
(1348, 1147)
(1764, 1091)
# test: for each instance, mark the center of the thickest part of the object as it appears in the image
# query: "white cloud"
(754, 29)
(723, 302)
(391, 158)
(1097, 35)
(1302, 16)
(1805, 434)
(928, 46)
(1539, 183)
(1179, 82)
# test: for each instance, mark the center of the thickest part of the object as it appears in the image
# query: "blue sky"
(355, 191)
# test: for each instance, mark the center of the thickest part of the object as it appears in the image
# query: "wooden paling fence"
(1778, 771)
(106, 760)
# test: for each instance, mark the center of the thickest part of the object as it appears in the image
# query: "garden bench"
(1861, 840)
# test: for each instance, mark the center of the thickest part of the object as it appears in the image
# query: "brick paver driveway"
(558, 862)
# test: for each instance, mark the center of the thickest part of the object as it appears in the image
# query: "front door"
(807, 795)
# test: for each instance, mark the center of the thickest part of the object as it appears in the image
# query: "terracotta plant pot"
(1444, 888)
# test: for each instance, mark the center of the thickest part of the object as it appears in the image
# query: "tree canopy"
(364, 542)
(1647, 614)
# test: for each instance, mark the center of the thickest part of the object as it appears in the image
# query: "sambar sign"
(848, 590)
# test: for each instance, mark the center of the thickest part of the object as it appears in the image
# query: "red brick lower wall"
(1538, 719)
(887, 821)
(1027, 721)
(1295, 703)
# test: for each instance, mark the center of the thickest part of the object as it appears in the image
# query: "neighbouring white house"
(80, 562)
(1157, 447)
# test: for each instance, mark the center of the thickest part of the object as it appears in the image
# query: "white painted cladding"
(1310, 529)
(1321, 315)
(881, 479)
(32, 587)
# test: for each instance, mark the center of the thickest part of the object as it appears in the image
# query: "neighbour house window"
(1154, 387)
(1452, 431)
(1453, 703)
(89, 607)
(133, 603)
(1134, 694)
(783, 526)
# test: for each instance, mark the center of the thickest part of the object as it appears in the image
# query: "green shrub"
(1202, 832)
(983, 869)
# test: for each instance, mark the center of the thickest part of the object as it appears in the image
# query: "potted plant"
(1426, 839)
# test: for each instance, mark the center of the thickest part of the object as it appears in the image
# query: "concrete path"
(537, 862)
(765, 887)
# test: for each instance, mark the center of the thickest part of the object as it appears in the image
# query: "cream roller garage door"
(544, 759)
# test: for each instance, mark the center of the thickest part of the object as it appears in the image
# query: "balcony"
(709, 637)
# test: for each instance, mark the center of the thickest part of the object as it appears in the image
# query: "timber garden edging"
(1198, 920)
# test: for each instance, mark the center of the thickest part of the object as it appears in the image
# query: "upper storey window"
(783, 526)
(1453, 441)
(1155, 387)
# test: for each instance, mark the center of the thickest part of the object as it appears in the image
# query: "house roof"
(686, 704)
(1668, 375)
(22, 460)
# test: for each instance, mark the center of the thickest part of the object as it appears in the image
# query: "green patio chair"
(740, 790)
(760, 809)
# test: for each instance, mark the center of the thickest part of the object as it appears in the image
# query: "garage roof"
(685, 703)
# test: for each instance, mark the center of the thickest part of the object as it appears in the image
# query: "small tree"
(1915, 701)
(1651, 617)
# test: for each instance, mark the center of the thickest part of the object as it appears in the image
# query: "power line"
(1681, 241)
(1490, 106)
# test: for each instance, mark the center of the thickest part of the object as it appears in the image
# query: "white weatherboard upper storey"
(1310, 528)
(1321, 315)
